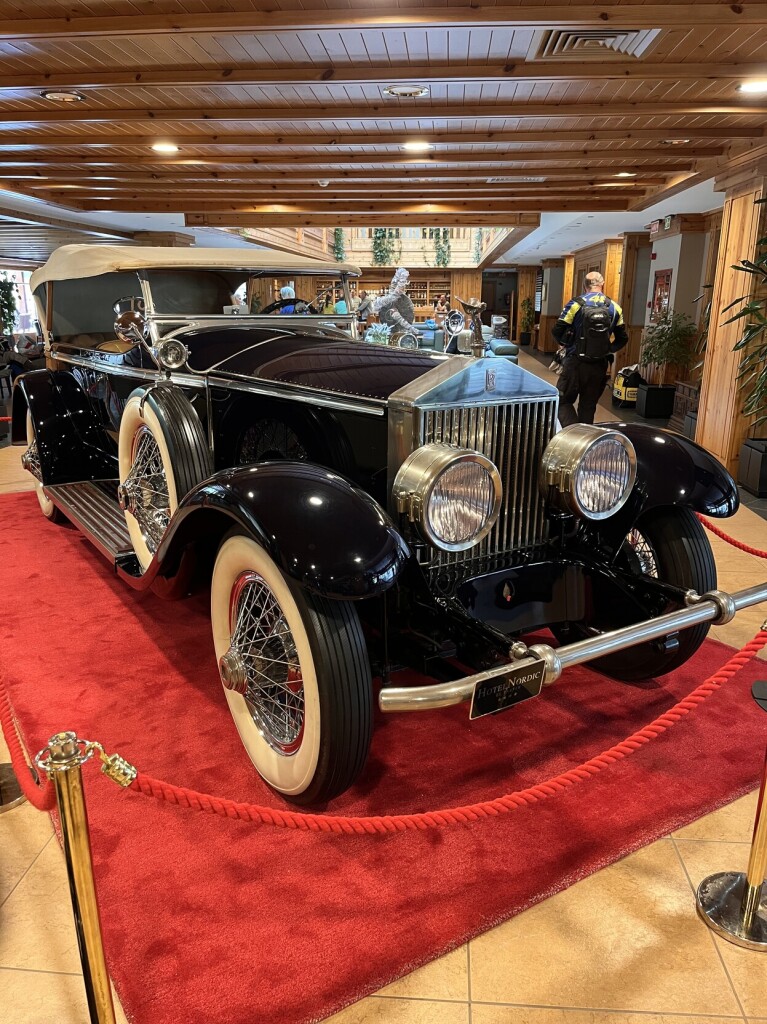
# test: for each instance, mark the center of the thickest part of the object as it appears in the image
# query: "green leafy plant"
(442, 248)
(8, 304)
(339, 245)
(526, 316)
(752, 344)
(383, 248)
(669, 342)
(478, 239)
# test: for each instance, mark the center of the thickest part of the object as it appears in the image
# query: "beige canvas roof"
(70, 262)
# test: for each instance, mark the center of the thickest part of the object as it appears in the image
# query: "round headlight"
(589, 470)
(453, 495)
(172, 354)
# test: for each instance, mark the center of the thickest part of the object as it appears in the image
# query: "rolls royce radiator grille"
(514, 437)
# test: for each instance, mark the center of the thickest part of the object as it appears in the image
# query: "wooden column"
(722, 427)
(569, 283)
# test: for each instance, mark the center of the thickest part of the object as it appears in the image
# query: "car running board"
(92, 507)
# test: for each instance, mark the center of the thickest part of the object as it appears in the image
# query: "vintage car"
(355, 509)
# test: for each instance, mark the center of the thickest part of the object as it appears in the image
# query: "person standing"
(365, 308)
(591, 329)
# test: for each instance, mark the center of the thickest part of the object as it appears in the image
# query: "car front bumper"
(715, 607)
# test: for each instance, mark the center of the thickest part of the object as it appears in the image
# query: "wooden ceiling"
(266, 98)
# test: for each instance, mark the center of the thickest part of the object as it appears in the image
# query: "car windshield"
(190, 293)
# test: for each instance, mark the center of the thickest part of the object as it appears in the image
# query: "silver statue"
(396, 309)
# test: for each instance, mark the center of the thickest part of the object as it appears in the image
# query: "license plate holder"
(501, 692)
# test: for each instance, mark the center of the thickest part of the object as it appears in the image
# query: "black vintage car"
(356, 509)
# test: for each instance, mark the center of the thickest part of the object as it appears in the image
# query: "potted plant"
(8, 304)
(667, 346)
(526, 321)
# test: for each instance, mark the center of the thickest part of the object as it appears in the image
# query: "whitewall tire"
(49, 510)
(295, 673)
(162, 455)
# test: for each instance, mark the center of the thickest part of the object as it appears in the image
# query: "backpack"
(592, 344)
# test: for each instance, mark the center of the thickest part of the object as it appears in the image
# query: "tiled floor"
(621, 947)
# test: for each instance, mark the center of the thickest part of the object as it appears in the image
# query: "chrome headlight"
(453, 495)
(588, 470)
(172, 354)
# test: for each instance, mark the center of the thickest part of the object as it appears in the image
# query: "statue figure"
(396, 309)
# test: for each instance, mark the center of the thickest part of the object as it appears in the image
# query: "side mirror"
(131, 327)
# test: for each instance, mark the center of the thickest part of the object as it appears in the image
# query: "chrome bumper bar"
(715, 607)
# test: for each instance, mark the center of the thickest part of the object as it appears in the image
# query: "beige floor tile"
(483, 1014)
(747, 969)
(382, 1010)
(36, 927)
(626, 938)
(446, 978)
(24, 832)
(733, 823)
(33, 997)
(14, 486)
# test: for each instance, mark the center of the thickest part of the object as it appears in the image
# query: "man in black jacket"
(584, 376)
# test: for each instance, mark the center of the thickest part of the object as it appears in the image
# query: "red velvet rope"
(42, 797)
(731, 540)
(455, 815)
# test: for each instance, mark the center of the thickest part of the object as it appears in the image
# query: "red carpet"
(207, 919)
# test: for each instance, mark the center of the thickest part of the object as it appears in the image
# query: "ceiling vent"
(507, 181)
(591, 43)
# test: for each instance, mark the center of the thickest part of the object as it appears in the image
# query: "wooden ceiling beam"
(210, 198)
(609, 14)
(9, 140)
(336, 163)
(23, 217)
(382, 110)
(361, 74)
(380, 183)
(297, 210)
(373, 188)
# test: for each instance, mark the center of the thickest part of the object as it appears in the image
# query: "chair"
(5, 380)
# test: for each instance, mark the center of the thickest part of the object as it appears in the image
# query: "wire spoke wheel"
(145, 489)
(162, 453)
(30, 460)
(295, 673)
(667, 544)
(262, 639)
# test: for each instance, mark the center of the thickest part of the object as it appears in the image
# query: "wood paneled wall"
(722, 427)
(606, 257)
(526, 278)
(633, 243)
(467, 284)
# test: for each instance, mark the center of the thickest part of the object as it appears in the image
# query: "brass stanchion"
(733, 904)
(62, 760)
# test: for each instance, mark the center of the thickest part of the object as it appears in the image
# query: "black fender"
(325, 533)
(71, 442)
(671, 470)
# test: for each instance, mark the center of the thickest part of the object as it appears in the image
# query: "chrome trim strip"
(301, 394)
(441, 695)
(142, 372)
(297, 392)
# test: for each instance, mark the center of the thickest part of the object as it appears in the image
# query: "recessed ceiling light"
(614, 184)
(674, 142)
(62, 95)
(417, 147)
(323, 183)
(165, 147)
(757, 86)
(626, 174)
(406, 92)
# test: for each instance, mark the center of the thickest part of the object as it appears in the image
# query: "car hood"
(290, 357)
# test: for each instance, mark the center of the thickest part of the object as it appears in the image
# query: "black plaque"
(504, 691)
